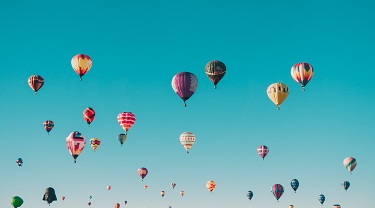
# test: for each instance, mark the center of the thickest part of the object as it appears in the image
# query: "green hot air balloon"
(16, 201)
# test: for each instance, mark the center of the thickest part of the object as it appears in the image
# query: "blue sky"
(136, 49)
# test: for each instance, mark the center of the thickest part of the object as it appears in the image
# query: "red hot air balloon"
(109, 188)
(126, 120)
(262, 151)
(35, 82)
(63, 198)
(48, 125)
(81, 64)
(89, 115)
(184, 84)
(277, 191)
(142, 172)
(117, 205)
(75, 143)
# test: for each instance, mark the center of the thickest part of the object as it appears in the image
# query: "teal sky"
(136, 49)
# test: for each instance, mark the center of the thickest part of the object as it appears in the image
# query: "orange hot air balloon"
(81, 64)
(35, 82)
(210, 185)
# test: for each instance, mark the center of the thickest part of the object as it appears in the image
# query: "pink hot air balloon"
(109, 188)
(63, 198)
(125, 202)
(89, 203)
(126, 120)
(75, 143)
(184, 84)
(350, 163)
(262, 151)
(117, 205)
(142, 172)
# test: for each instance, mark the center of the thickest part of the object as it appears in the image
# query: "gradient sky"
(136, 49)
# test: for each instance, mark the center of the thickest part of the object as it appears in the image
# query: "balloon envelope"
(215, 71)
(88, 115)
(350, 163)
(117, 205)
(48, 125)
(345, 185)
(262, 151)
(35, 82)
(162, 193)
(210, 185)
(184, 85)
(294, 184)
(249, 195)
(277, 93)
(81, 64)
(94, 143)
(19, 162)
(121, 138)
(142, 172)
(16, 201)
(302, 73)
(336, 206)
(187, 140)
(173, 185)
(49, 195)
(126, 120)
(321, 198)
(109, 188)
(277, 190)
(75, 142)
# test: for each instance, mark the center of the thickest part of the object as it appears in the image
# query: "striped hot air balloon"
(210, 185)
(215, 71)
(262, 151)
(345, 185)
(126, 120)
(277, 93)
(302, 73)
(75, 142)
(35, 82)
(48, 125)
(187, 140)
(184, 85)
(277, 190)
(94, 143)
(88, 115)
(350, 163)
(81, 64)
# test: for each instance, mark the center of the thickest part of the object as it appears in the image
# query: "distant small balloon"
(35, 82)
(19, 162)
(162, 193)
(117, 205)
(109, 188)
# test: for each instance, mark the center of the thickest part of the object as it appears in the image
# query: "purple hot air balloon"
(184, 84)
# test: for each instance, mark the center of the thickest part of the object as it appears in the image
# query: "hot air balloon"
(277, 92)
(187, 140)
(90, 197)
(145, 186)
(88, 115)
(277, 191)
(36, 82)
(48, 125)
(294, 184)
(49, 195)
(302, 73)
(75, 143)
(321, 199)
(210, 185)
(19, 162)
(142, 172)
(250, 195)
(184, 85)
(262, 151)
(182, 193)
(126, 120)
(81, 64)
(215, 70)
(121, 138)
(291, 206)
(94, 143)
(173, 185)
(125, 202)
(117, 205)
(350, 163)
(162, 193)
(336, 206)
(63, 198)
(16, 201)
(345, 185)
(89, 203)
(109, 188)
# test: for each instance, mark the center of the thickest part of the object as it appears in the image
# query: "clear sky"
(136, 48)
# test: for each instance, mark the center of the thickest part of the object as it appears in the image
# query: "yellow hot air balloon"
(277, 92)
(81, 64)
(94, 143)
(210, 185)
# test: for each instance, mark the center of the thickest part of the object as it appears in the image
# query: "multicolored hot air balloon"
(277, 190)
(117, 205)
(16, 201)
(321, 199)
(184, 85)
(250, 195)
(187, 140)
(294, 184)
(75, 143)
(126, 120)
(210, 185)
(121, 138)
(19, 162)
(215, 71)
(162, 193)
(81, 64)
(173, 185)
(36, 82)
(182, 193)
(88, 115)
(345, 185)
(49, 195)
(277, 92)
(302, 73)
(48, 125)
(262, 151)
(109, 188)
(350, 163)
(336, 206)
(142, 172)
(94, 143)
